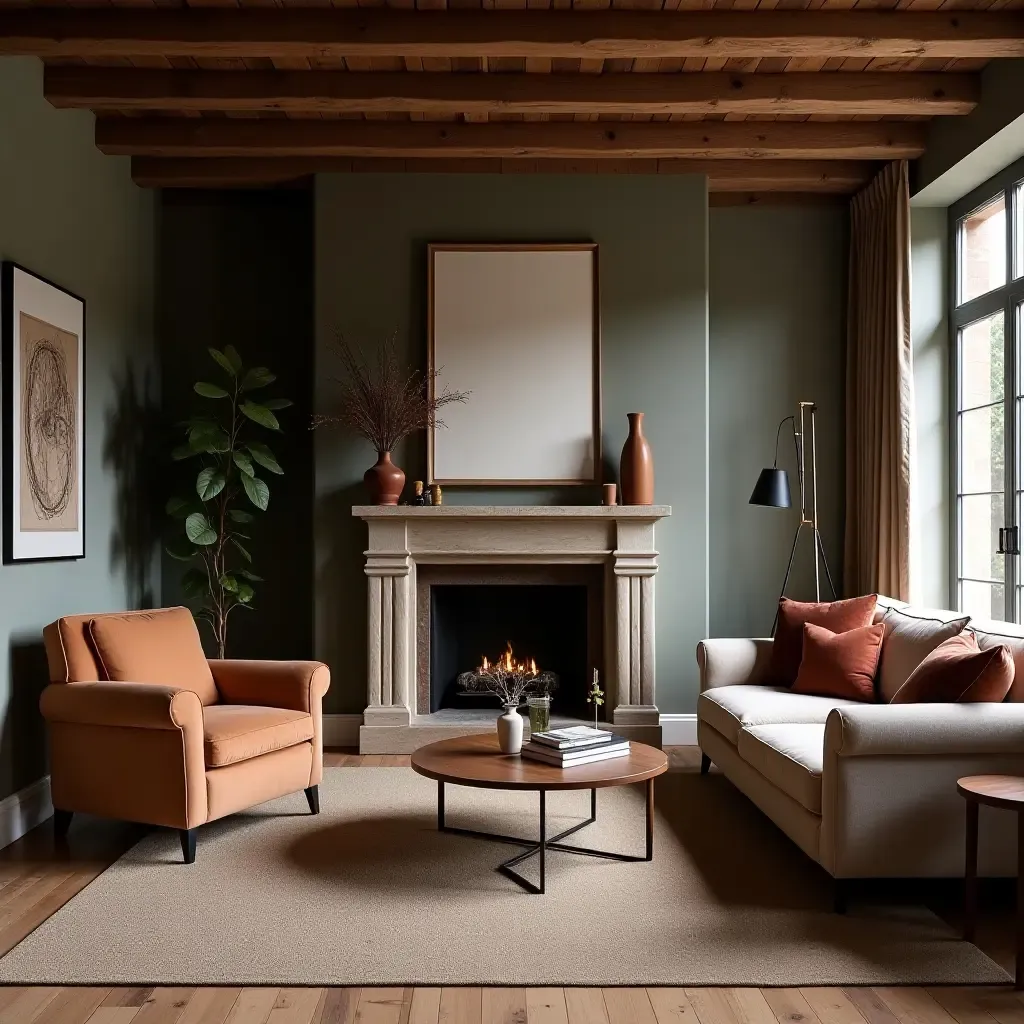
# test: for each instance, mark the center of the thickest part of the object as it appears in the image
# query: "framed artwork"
(43, 347)
(517, 326)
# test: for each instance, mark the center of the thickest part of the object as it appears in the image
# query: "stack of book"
(579, 744)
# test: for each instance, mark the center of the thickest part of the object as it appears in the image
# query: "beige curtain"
(879, 389)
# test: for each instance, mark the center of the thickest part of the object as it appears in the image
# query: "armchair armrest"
(728, 661)
(295, 685)
(925, 729)
(131, 705)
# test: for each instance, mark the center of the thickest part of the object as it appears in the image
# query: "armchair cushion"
(236, 732)
(156, 647)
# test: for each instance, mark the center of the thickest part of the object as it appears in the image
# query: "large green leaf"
(258, 491)
(208, 438)
(239, 515)
(245, 593)
(244, 553)
(229, 583)
(232, 356)
(210, 483)
(177, 507)
(259, 414)
(244, 463)
(183, 451)
(222, 361)
(264, 456)
(257, 377)
(249, 575)
(195, 583)
(278, 403)
(181, 554)
(199, 531)
(209, 390)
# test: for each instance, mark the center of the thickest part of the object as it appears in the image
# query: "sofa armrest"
(130, 705)
(295, 685)
(728, 661)
(869, 730)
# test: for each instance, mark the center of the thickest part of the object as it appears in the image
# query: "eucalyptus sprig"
(220, 579)
(595, 696)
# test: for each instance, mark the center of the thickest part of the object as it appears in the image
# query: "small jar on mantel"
(636, 467)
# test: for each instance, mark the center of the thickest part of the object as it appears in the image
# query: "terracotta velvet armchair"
(144, 728)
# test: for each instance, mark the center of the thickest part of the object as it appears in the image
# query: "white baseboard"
(23, 811)
(342, 730)
(679, 730)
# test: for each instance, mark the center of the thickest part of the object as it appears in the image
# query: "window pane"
(983, 250)
(981, 516)
(981, 450)
(982, 600)
(1018, 232)
(981, 362)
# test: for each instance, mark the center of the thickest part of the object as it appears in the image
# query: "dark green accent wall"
(74, 216)
(237, 268)
(371, 237)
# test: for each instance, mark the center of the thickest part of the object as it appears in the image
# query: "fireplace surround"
(609, 550)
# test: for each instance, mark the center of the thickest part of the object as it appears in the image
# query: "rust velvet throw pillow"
(840, 664)
(959, 672)
(835, 616)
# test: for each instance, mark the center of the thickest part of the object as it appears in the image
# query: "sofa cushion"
(236, 732)
(838, 616)
(1011, 635)
(910, 636)
(840, 664)
(161, 646)
(957, 671)
(789, 756)
(728, 709)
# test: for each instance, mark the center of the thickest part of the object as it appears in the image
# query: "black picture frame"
(37, 545)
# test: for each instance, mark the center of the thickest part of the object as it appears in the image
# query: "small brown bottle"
(436, 497)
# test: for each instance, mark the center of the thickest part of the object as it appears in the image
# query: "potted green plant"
(229, 485)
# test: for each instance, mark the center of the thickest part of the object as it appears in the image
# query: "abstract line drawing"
(49, 456)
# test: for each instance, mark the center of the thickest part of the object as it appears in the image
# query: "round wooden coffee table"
(1006, 792)
(476, 761)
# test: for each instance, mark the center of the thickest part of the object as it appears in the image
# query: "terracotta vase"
(636, 467)
(384, 481)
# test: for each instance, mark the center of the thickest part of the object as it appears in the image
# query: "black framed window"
(987, 325)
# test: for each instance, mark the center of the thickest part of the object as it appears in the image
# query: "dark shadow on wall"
(132, 452)
(236, 268)
(23, 733)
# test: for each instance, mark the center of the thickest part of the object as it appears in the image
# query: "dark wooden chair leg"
(313, 799)
(61, 823)
(705, 763)
(188, 844)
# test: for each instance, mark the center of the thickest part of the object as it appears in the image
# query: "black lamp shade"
(772, 489)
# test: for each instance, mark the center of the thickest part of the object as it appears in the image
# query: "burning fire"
(507, 663)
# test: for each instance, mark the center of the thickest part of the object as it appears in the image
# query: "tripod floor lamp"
(772, 490)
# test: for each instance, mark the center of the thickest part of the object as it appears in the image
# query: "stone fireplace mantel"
(619, 537)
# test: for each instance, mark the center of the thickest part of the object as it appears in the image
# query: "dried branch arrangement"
(509, 680)
(384, 401)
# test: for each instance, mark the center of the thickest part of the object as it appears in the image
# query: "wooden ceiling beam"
(873, 93)
(280, 137)
(822, 176)
(278, 32)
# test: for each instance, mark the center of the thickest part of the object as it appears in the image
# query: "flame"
(507, 663)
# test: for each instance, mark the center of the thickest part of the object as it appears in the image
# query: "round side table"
(1006, 792)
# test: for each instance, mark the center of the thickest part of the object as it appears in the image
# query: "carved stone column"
(635, 710)
(390, 627)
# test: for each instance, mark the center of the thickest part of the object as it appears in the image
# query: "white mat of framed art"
(517, 326)
(43, 329)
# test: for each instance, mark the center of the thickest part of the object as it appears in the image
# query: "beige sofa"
(866, 790)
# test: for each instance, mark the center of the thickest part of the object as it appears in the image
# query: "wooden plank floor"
(37, 877)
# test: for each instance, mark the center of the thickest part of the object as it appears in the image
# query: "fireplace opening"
(545, 623)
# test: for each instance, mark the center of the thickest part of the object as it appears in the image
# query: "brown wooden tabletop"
(477, 761)
(1005, 791)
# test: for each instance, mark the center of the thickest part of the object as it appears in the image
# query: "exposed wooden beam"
(277, 32)
(106, 89)
(226, 137)
(825, 176)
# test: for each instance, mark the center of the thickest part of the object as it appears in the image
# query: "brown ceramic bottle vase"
(384, 481)
(636, 467)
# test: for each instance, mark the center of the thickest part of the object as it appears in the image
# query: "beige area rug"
(368, 893)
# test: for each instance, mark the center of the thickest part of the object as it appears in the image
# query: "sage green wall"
(371, 237)
(777, 328)
(74, 216)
